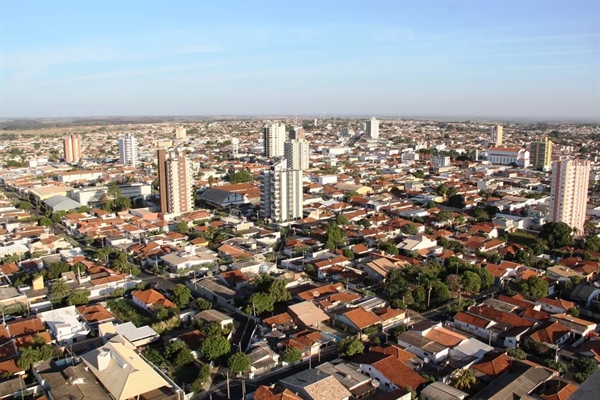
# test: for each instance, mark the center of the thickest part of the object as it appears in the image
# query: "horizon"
(464, 60)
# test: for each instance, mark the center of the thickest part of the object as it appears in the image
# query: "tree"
(517, 353)
(183, 228)
(471, 282)
(586, 365)
(215, 347)
(79, 297)
(534, 287)
(56, 269)
(389, 248)
(44, 221)
(444, 216)
(259, 303)
(334, 236)
(430, 204)
(556, 234)
(181, 295)
(439, 292)
(24, 205)
(351, 346)
(487, 279)
(419, 174)
(211, 180)
(479, 214)
(395, 284)
(456, 201)
(60, 289)
(341, 219)
(239, 362)
(574, 312)
(278, 291)
(291, 355)
(240, 177)
(592, 244)
(203, 376)
(410, 229)
(442, 190)
(34, 353)
(121, 204)
(557, 366)
(113, 190)
(454, 283)
(463, 379)
(349, 254)
(203, 304)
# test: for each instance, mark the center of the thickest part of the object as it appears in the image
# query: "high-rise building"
(273, 139)
(72, 148)
(128, 150)
(496, 135)
(296, 152)
(297, 133)
(180, 133)
(373, 128)
(541, 153)
(281, 197)
(235, 147)
(569, 192)
(175, 182)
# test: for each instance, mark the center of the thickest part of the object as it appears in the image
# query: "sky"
(511, 58)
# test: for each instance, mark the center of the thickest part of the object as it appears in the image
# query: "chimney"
(103, 360)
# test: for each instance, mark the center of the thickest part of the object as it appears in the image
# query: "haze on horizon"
(526, 59)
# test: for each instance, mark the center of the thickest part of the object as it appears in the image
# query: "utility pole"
(228, 393)
(429, 296)
(243, 389)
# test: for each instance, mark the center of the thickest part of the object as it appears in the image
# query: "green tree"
(534, 287)
(574, 312)
(334, 236)
(24, 205)
(60, 289)
(444, 216)
(291, 355)
(44, 221)
(203, 304)
(395, 284)
(442, 190)
(259, 303)
(121, 204)
(211, 180)
(471, 282)
(517, 353)
(183, 228)
(239, 362)
(456, 201)
(389, 248)
(351, 346)
(113, 190)
(278, 291)
(349, 254)
(79, 297)
(410, 229)
(181, 295)
(556, 234)
(215, 347)
(592, 243)
(440, 292)
(240, 177)
(56, 269)
(487, 279)
(557, 366)
(341, 219)
(34, 353)
(203, 377)
(463, 379)
(479, 214)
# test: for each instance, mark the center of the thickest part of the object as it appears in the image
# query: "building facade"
(569, 192)
(180, 133)
(509, 155)
(496, 135)
(128, 150)
(297, 133)
(372, 128)
(541, 153)
(274, 139)
(281, 197)
(296, 151)
(72, 148)
(175, 182)
(439, 161)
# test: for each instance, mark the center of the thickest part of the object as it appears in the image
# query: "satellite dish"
(316, 293)
(209, 273)
(375, 383)
(426, 360)
(223, 268)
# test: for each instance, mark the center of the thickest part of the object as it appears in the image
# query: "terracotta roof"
(322, 290)
(470, 319)
(152, 297)
(26, 326)
(445, 337)
(493, 365)
(560, 303)
(279, 319)
(95, 313)
(557, 389)
(387, 313)
(274, 393)
(550, 333)
(395, 351)
(398, 373)
(361, 317)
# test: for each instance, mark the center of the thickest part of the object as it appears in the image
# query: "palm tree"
(463, 379)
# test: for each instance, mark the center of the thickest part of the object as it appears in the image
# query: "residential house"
(357, 319)
(579, 327)
(262, 360)
(358, 384)
(214, 316)
(312, 384)
(555, 306)
(554, 335)
(584, 294)
(307, 314)
(442, 391)
(150, 299)
(274, 393)
(66, 324)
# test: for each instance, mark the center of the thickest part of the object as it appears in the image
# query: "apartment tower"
(541, 153)
(128, 150)
(297, 133)
(496, 135)
(373, 128)
(281, 197)
(274, 139)
(175, 182)
(72, 148)
(569, 192)
(296, 152)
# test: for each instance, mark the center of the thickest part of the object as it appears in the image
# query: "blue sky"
(428, 58)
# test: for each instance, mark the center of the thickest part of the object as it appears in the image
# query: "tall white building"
(128, 150)
(235, 147)
(281, 197)
(180, 133)
(274, 139)
(509, 155)
(175, 182)
(439, 161)
(72, 148)
(569, 192)
(496, 135)
(373, 128)
(296, 151)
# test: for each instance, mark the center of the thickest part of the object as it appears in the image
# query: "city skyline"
(511, 60)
